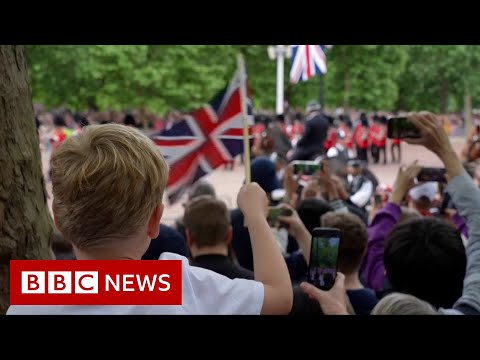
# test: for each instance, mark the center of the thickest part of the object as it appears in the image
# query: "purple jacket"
(380, 227)
(460, 224)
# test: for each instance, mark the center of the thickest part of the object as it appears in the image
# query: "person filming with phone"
(424, 257)
(358, 185)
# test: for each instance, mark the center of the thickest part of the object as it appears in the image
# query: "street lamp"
(279, 52)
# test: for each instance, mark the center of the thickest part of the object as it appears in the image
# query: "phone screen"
(432, 174)
(322, 270)
(401, 128)
(274, 213)
(307, 168)
(378, 199)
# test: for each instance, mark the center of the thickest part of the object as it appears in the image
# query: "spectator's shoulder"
(173, 256)
(236, 215)
(449, 312)
(303, 305)
(208, 292)
(168, 240)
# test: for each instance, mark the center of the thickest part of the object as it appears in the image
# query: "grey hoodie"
(466, 197)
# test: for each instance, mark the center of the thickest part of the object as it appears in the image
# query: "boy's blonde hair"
(403, 304)
(106, 183)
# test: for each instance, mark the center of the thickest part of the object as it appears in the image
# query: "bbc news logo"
(89, 282)
(59, 282)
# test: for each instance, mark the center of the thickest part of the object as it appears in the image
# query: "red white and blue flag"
(206, 139)
(307, 61)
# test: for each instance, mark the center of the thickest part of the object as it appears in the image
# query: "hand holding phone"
(274, 213)
(428, 174)
(307, 168)
(402, 128)
(378, 199)
(333, 302)
(296, 228)
(322, 269)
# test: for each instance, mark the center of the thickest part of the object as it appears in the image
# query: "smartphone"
(274, 213)
(307, 168)
(401, 128)
(324, 250)
(378, 200)
(432, 174)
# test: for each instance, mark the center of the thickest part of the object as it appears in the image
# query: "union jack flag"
(307, 61)
(205, 139)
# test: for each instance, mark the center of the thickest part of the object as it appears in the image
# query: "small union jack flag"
(307, 61)
(206, 139)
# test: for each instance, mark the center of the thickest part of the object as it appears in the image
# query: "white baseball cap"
(428, 189)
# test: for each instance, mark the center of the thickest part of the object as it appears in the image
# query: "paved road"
(227, 183)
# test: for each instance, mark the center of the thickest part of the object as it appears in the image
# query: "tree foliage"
(324, 254)
(134, 76)
(437, 76)
(160, 77)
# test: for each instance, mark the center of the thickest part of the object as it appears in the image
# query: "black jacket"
(311, 143)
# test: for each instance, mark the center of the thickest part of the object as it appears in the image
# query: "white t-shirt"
(204, 292)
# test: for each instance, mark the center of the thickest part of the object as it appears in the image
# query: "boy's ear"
(54, 210)
(228, 239)
(188, 238)
(153, 227)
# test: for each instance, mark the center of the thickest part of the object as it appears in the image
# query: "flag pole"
(246, 135)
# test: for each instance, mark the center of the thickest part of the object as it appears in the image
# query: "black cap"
(355, 163)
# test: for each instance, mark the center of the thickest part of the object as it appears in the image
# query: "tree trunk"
(143, 118)
(443, 96)
(346, 83)
(25, 222)
(467, 109)
(346, 93)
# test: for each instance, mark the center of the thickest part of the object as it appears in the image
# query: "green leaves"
(436, 76)
(364, 76)
(146, 76)
(160, 77)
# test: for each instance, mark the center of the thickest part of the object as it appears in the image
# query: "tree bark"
(25, 222)
(346, 93)
(346, 83)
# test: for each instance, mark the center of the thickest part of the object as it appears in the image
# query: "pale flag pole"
(246, 135)
(280, 52)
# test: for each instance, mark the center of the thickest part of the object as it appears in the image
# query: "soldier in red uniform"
(378, 138)
(331, 138)
(347, 135)
(395, 144)
(360, 138)
(297, 129)
(257, 130)
(383, 138)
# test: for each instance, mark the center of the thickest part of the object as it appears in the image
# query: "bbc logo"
(59, 282)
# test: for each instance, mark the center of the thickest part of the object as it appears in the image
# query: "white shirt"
(204, 292)
(334, 150)
(361, 197)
